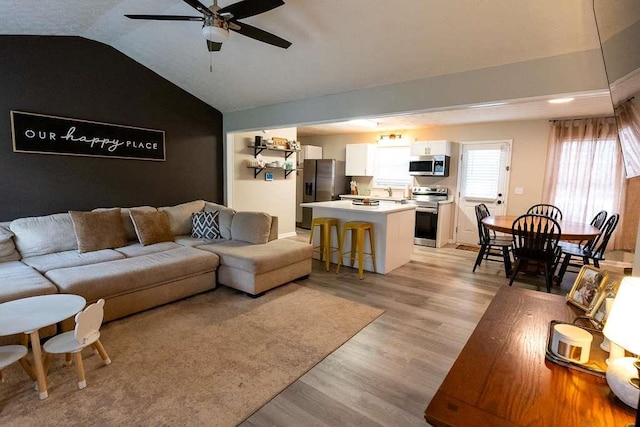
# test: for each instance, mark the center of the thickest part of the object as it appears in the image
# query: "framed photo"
(268, 176)
(585, 289)
(598, 312)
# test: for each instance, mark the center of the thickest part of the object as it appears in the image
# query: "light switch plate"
(518, 190)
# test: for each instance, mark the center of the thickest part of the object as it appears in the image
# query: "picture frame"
(268, 176)
(598, 313)
(280, 143)
(585, 289)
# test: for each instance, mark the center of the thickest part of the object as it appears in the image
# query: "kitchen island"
(393, 225)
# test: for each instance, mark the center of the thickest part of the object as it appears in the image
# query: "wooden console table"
(501, 377)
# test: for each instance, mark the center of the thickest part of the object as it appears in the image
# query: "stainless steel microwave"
(429, 165)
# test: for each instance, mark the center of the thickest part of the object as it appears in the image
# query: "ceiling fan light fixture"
(215, 34)
(560, 100)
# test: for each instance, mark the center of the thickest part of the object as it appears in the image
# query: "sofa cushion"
(98, 230)
(136, 249)
(262, 258)
(251, 227)
(206, 225)
(21, 281)
(124, 276)
(44, 263)
(225, 217)
(180, 216)
(151, 227)
(42, 235)
(190, 241)
(8, 250)
(129, 229)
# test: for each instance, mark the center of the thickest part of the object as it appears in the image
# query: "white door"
(484, 178)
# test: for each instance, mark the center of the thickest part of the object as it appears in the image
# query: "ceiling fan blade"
(247, 8)
(260, 35)
(213, 46)
(199, 7)
(166, 17)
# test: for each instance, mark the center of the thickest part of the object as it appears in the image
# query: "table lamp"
(623, 328)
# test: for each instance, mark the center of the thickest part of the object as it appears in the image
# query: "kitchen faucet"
(389, 191)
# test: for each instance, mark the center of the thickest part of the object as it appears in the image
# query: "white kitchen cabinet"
(431, 148)
(360, 160)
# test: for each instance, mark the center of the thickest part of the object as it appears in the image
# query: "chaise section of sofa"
(256, 268)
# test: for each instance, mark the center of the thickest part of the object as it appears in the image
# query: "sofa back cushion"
(41, 235)
(129, 229)
(180, 216)
(151, 227)
(251, 227)
(224, 219)
(7, 247)
(98, 230)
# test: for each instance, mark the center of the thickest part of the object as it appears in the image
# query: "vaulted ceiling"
(338, 45)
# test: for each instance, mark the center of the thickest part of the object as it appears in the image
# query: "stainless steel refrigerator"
(323, 180)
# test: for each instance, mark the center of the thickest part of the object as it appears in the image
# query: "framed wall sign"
(39, 133)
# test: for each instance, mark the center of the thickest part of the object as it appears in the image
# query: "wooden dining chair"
(86, 333)
(546, 210)
(593, 251)
(492, 248)
(10, 354)
(535, 240)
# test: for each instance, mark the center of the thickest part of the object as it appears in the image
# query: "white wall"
(530, 140)
(277, 197)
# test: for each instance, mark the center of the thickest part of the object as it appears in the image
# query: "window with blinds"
(482, 179)
(392, 166)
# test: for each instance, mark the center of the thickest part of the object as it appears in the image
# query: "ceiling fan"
(217, 21)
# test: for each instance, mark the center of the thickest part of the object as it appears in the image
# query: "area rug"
(212, 359)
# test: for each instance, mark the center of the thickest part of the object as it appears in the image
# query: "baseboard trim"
(287, 235)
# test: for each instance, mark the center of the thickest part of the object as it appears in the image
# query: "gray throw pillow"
(251, 227)
(205, 225)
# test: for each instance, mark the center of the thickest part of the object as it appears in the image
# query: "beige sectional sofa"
(40, 255)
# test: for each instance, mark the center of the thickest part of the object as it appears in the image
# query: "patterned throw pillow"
(205, 225)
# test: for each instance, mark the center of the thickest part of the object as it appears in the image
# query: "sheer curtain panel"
(585, 171)
(628, 119)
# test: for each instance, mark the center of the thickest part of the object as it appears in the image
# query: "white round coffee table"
(28, 315)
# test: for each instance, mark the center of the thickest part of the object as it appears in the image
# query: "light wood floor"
(387, 374)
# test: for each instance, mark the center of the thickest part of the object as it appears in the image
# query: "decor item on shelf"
(258, 141)
(622, 329)
(280, 143)
(294, 145)
(585, 289)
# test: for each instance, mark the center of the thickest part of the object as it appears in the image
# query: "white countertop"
(347, 205)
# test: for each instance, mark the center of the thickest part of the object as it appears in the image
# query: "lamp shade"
(623, 324)
(215, 34)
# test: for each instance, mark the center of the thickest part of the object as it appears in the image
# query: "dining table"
(28, 315)
(569, 230)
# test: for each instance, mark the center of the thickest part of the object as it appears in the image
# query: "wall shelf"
(258, 169)
(257, 149)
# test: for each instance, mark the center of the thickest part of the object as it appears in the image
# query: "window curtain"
(585, 171)
(628, 120)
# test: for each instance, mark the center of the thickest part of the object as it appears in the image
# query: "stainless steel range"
(426, 200)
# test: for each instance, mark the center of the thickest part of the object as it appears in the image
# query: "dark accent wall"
(84, 79)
